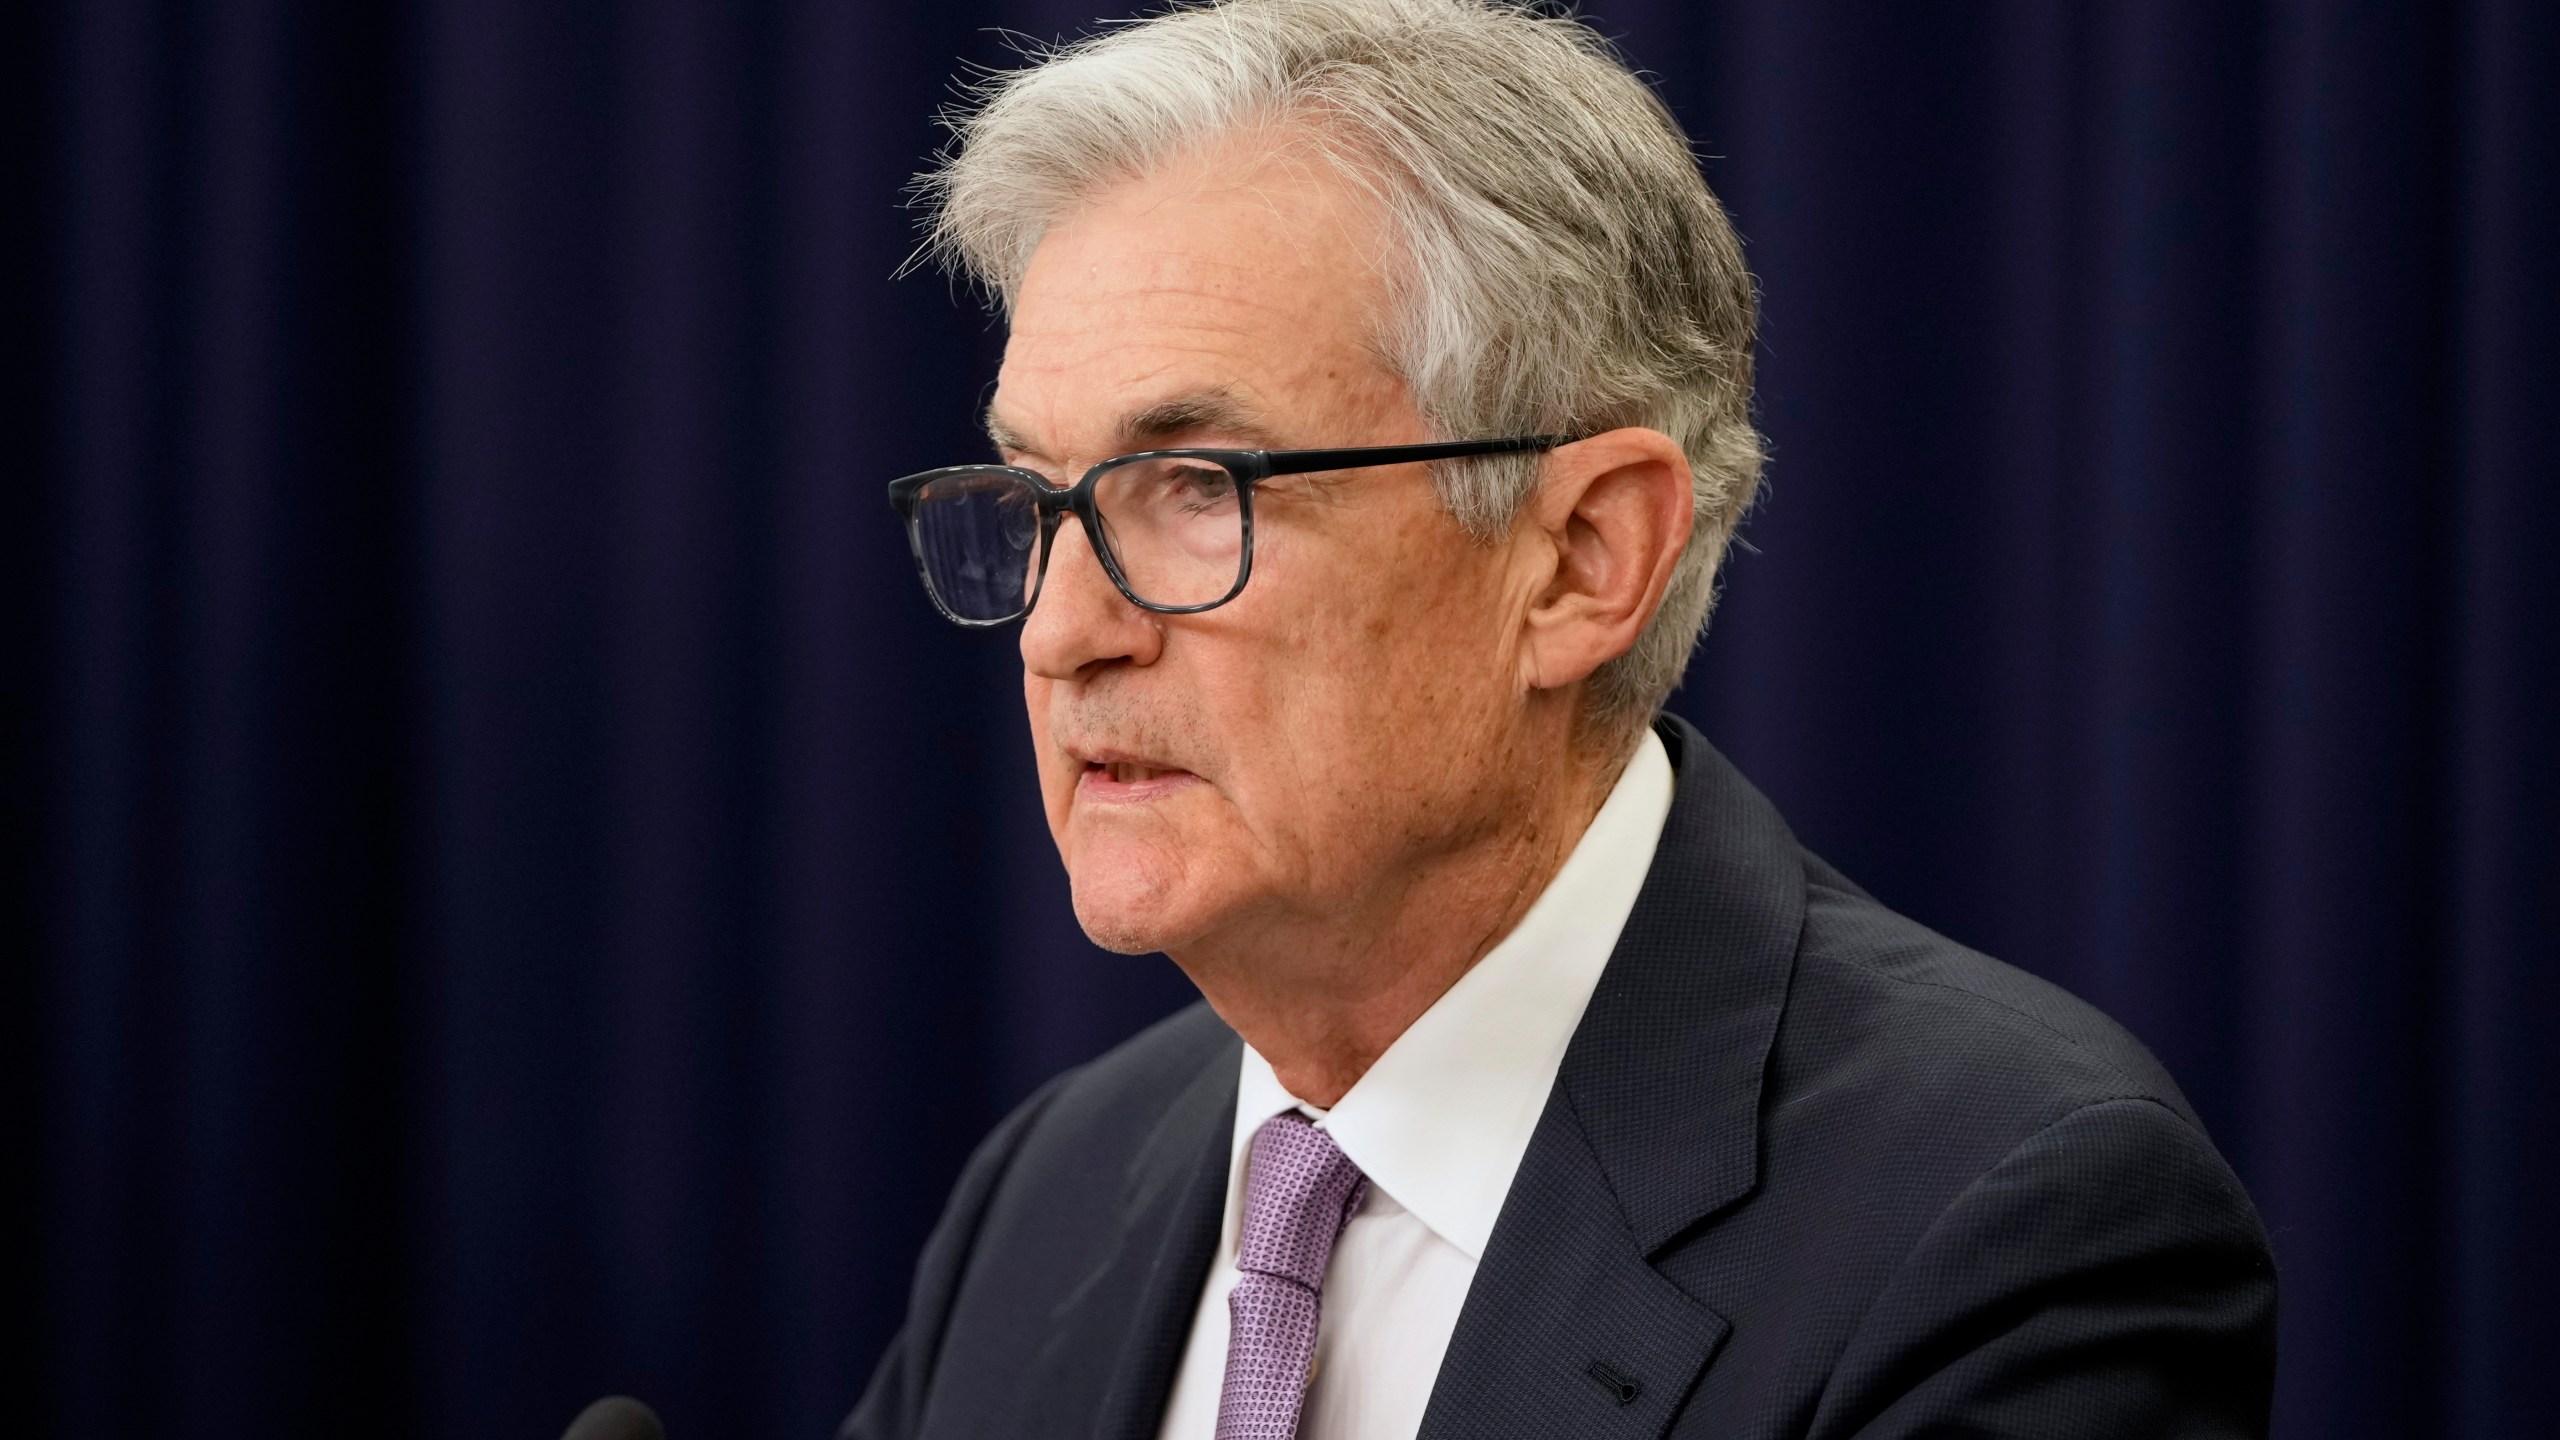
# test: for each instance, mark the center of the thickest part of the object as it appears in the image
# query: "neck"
(1322, 995)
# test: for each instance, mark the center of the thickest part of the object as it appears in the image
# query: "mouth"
(1116, 779)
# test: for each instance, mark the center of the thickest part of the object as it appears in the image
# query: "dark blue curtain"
(520, 898)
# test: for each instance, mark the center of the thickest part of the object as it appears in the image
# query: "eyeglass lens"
(1175, 527)
(978, 533)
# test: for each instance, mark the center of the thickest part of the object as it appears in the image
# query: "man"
(1374, 414)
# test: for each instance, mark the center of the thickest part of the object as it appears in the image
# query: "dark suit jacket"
(1808, 1170)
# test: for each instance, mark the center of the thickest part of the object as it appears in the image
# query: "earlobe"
(1616, 510)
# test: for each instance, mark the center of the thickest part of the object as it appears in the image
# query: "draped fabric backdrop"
(523, 899)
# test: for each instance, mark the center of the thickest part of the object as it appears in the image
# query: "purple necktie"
(1299, 1191)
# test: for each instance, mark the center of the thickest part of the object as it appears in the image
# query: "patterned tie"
(1299, 1191)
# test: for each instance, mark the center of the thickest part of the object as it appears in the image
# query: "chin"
(1129, 905)
(1119, 920)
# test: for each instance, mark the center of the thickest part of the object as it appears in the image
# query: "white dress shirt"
(1438, 1125)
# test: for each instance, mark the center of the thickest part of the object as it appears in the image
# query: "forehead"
(1248, 280)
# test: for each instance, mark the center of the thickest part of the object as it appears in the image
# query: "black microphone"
(616, 1417)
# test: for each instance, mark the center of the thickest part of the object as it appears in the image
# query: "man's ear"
(1610, 518)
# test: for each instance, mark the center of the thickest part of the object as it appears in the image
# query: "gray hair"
(1564, 268)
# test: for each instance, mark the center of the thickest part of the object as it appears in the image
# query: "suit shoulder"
(1131, 1083)
(1920, 1012)
(1070, 1155)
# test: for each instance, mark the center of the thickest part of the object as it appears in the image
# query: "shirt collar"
(1440, 1122)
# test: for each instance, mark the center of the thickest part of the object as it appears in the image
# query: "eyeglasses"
(1173, 528)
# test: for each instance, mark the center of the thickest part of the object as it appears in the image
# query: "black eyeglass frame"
(1246, 467)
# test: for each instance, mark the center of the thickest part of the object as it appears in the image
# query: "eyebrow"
(1220, 411)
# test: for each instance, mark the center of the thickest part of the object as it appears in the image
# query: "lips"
(1121, 778)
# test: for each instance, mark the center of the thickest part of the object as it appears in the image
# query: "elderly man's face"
(1299, 751)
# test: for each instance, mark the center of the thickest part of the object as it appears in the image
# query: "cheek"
(1418, 663)
(1375, 707)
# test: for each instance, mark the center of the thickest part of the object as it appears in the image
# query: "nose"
(1082, 620)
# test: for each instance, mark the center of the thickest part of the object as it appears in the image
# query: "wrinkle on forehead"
(1239, 298)
(1217, 410)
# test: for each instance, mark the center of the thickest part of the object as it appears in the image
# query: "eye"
(1200, 487)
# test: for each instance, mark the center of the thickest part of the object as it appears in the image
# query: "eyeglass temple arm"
(1300, 462)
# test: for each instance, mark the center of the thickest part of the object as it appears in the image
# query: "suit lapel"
(1566, 1330)
(1144, 1290)
(1653, 1126)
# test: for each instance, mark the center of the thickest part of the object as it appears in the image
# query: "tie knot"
(1299, 1191)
